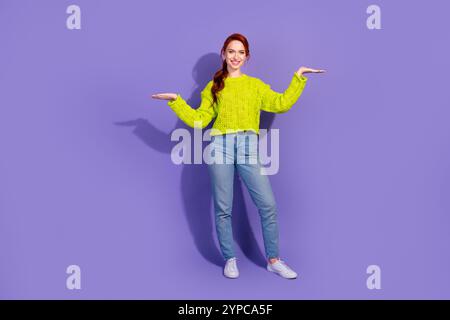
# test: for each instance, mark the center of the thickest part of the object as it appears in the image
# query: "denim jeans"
(240, 151)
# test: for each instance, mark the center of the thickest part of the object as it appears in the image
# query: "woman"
(235, 99)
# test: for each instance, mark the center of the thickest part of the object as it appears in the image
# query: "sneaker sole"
(273, 271)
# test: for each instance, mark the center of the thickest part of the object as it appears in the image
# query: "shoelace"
(230, 265)
(285, 265)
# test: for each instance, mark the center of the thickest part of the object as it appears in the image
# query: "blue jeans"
(240, 150)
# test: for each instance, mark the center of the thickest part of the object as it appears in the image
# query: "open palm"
(165, 96)
(303, 70)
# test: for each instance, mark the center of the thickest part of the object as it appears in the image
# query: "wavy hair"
(221, 74)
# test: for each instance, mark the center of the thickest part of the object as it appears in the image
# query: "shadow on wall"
(195, 178)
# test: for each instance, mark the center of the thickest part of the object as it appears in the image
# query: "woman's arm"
(276, 102)
(195, 118)
(272, 101)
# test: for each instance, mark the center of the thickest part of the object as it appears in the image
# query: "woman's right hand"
(165, 96)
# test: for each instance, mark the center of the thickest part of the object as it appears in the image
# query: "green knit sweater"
(239, 104)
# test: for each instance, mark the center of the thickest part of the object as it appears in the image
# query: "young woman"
(235, 99)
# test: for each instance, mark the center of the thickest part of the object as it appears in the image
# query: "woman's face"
(234, 55)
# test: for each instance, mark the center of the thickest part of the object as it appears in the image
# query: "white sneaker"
(281, 268)
(231, 270)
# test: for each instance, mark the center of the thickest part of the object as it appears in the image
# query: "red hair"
(221, 74)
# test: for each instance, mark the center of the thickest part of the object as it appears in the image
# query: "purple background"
(86, 176)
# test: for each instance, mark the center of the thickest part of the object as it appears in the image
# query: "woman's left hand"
(303, 70)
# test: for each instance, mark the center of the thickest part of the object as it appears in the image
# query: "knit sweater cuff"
(175, 101)
(302, 78)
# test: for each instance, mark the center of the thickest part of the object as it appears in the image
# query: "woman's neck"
(235, 73)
